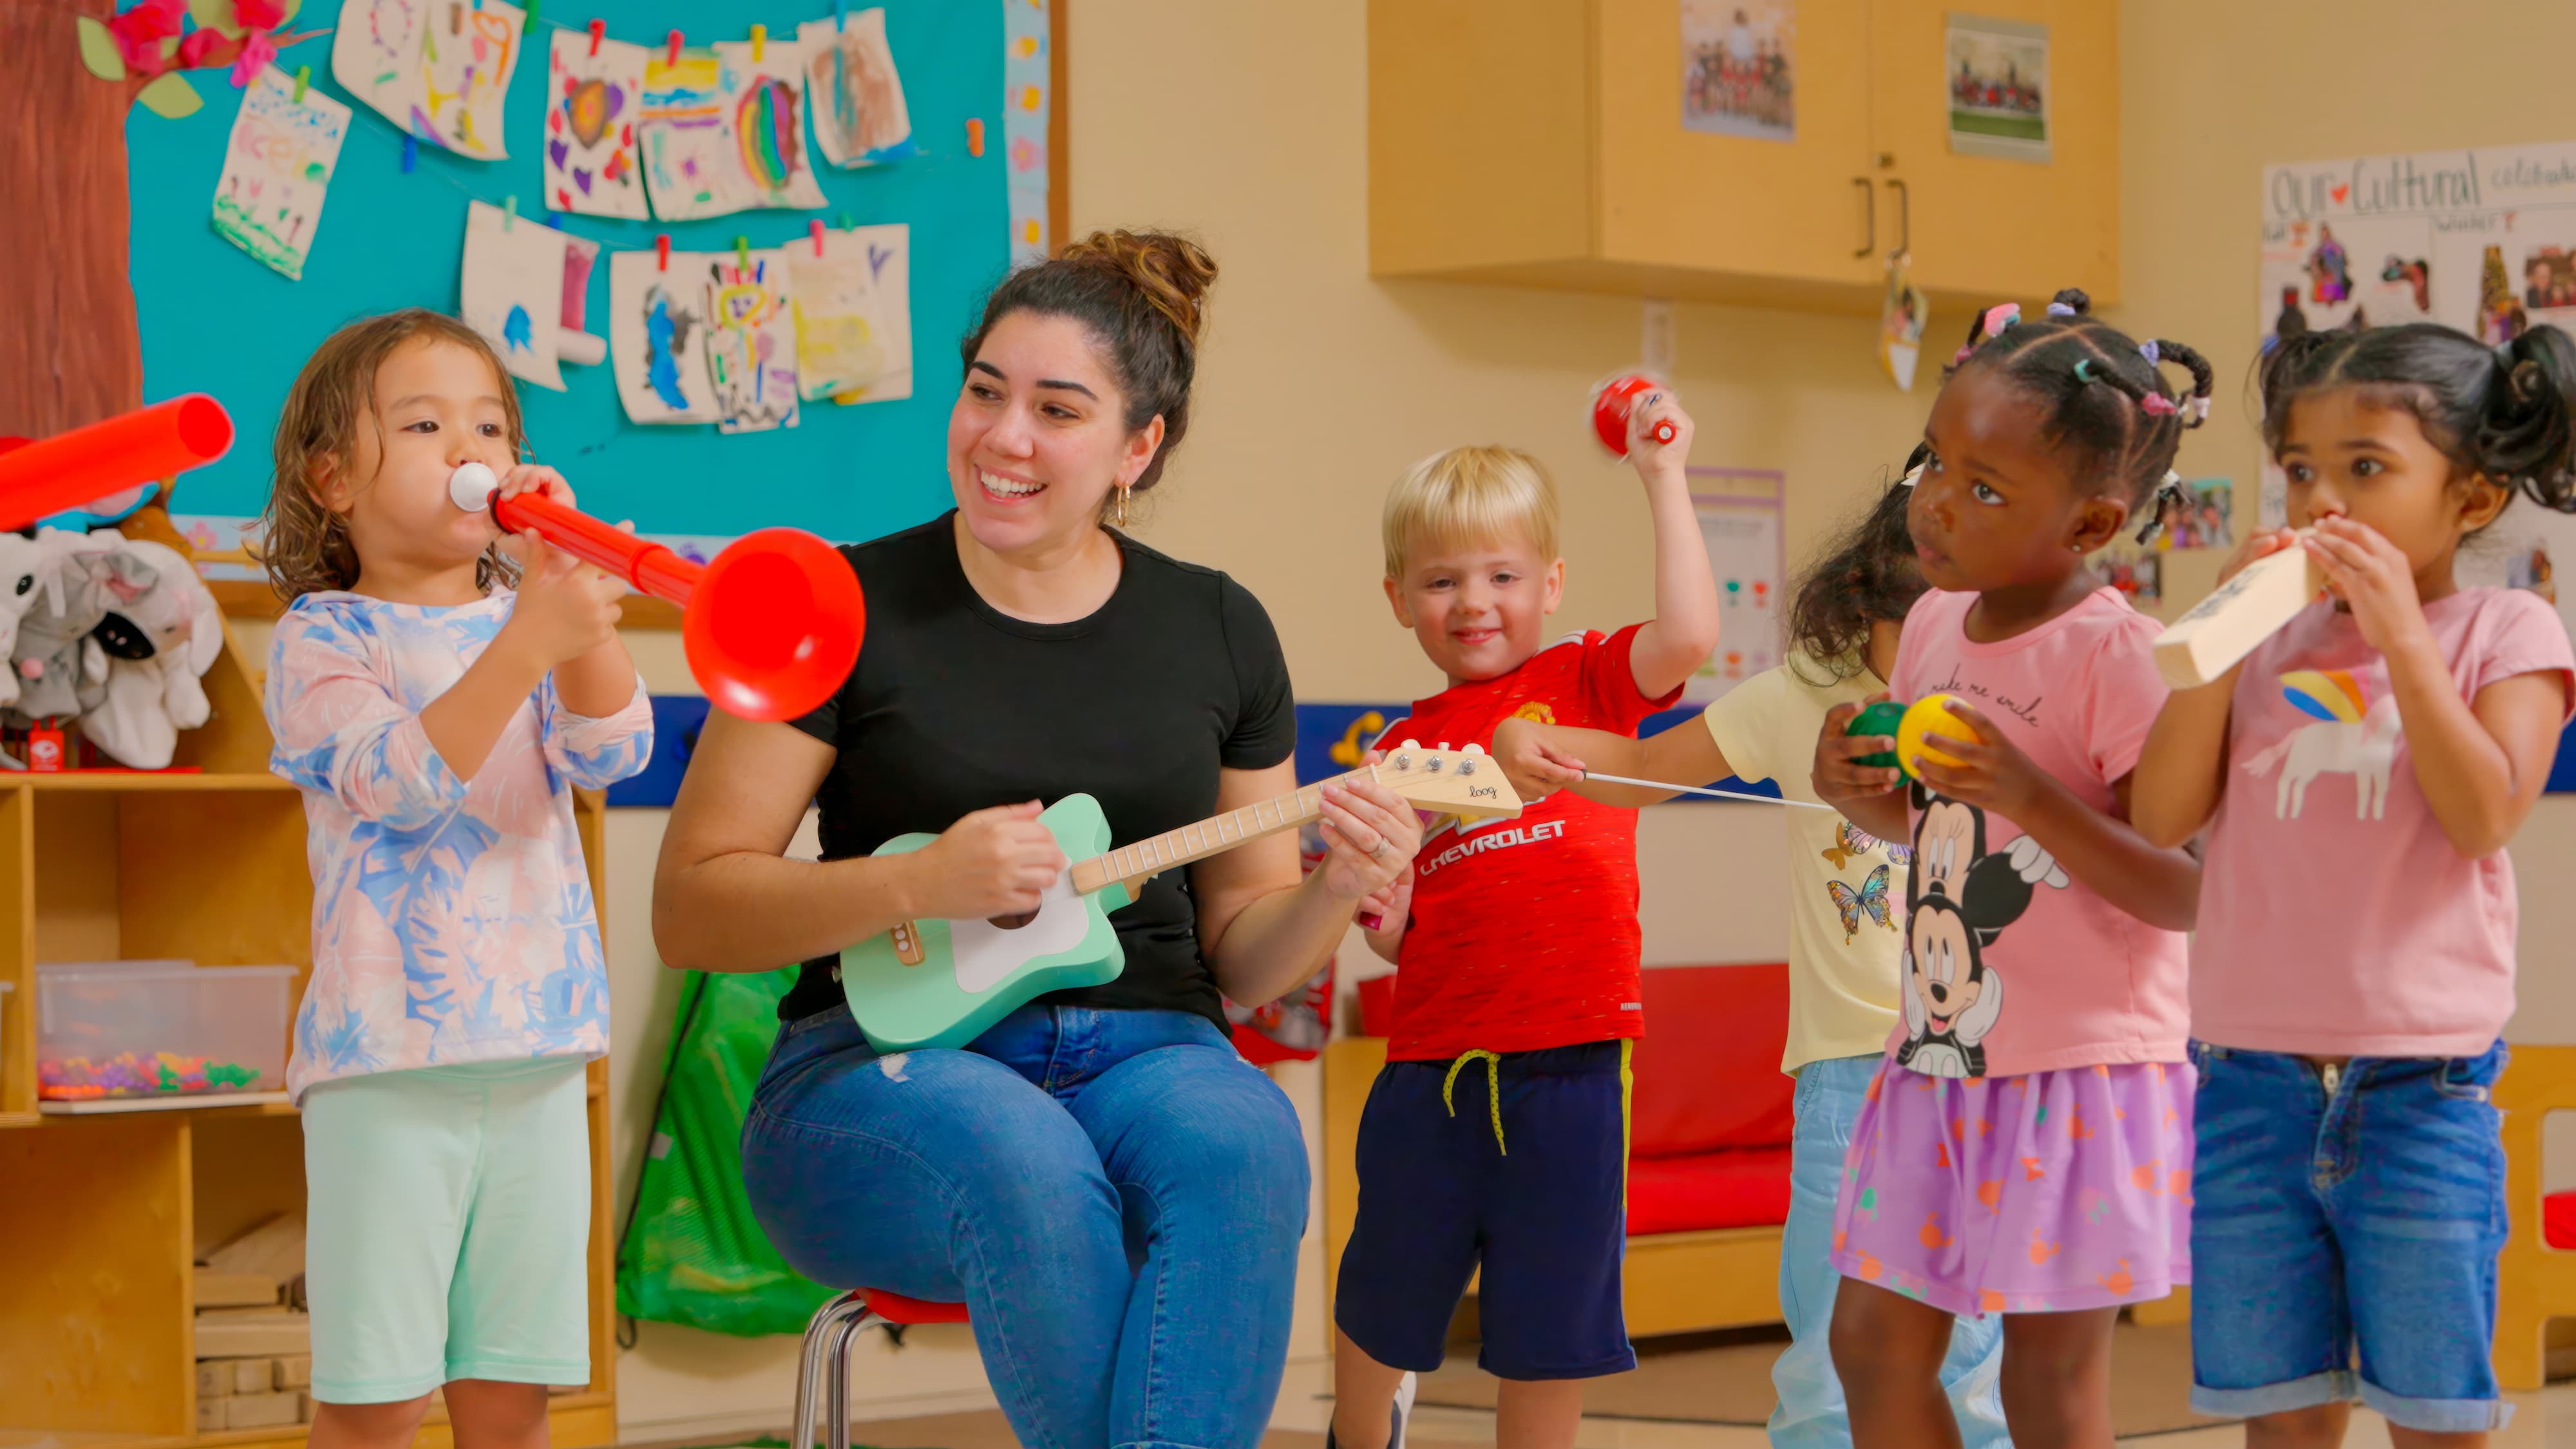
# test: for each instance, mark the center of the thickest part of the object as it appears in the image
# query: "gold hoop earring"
(1118, 515)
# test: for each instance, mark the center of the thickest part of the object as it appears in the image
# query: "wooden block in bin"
(259, 1411)
(255, 1337)
(234, 1290)
(210, 1414)
(275, 1247)
(243, 1315)
(304, 1406)
(252, 1375)
(295, 1371)
(214, 1379)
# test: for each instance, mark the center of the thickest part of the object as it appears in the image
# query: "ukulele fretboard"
(1156, 854)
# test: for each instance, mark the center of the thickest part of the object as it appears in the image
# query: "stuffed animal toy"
(21, 560)
(62, 670)
(160, 635)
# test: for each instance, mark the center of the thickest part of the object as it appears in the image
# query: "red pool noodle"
(53, 475)
(771, 627)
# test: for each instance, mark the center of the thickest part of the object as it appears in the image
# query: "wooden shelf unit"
(102, 1216)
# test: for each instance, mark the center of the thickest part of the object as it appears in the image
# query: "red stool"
(826, 1359)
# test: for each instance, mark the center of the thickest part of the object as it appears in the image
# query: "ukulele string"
(1701, 790)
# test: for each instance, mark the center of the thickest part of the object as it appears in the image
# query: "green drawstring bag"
(691, 1252)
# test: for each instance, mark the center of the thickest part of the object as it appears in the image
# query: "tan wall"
(1244, 124)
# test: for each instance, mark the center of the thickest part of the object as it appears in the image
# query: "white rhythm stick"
(2205, 643)
(1699, 790)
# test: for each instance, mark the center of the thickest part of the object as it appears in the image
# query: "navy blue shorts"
(1538, 1200)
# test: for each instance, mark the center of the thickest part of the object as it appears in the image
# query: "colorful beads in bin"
(128, 1075)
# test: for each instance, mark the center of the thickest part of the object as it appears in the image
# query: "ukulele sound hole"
(1012, 923)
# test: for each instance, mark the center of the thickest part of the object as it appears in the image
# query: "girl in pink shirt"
(2026, 1147)
(2358, 775)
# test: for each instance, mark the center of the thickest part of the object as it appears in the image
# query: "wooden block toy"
(255, 1338)
(2246, 610)
(304, 1407)
(234, 1290)
(295, 1371)
(244, 1315)
(210, 1414)
(275, 1247)
(214, 1379)
(1925, 719)
(251, 1375)
(259, 1411)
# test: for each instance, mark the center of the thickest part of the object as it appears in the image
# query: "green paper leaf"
(98, 51)
(171, 98)
(216, 15)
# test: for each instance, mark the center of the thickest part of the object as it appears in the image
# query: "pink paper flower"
(256, 52)
(199, 44)
(139, 32)
(259, 14)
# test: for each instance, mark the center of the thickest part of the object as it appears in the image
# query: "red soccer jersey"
(1523, 933)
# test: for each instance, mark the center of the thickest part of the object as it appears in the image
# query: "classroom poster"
(438, 71)
(853, 315)
(2477, 240)
(751, 341)
(1998, 73)
(277, 171)
(850, 80)
(657, 329)
(594, 89)
(1738, 59)
(1028, 110)
(1742, 524)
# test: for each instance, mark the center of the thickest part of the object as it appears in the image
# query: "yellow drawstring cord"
(1493, 1089)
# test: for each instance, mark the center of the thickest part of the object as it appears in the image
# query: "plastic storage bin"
(159, 1029)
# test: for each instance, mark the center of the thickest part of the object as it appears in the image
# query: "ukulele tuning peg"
(1473, 750)
(1410, 745)
(1402, 760)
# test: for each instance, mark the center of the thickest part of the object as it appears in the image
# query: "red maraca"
(53, 475)
(771, 627)
(1613, 402)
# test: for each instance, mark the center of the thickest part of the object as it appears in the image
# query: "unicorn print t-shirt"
(2336, 919)
(2012, 967)
(452, 918)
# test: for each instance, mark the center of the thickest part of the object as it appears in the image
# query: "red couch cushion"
(2558, 1220)
(1708, 1071)
(1743, 1188)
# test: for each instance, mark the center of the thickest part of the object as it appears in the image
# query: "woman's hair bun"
(1173, 272)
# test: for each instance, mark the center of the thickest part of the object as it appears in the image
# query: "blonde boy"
(1518, 945)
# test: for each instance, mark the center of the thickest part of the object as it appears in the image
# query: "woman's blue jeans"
(1116, 1196)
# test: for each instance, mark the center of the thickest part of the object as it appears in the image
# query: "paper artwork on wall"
(439, 69)
(1737, 58)
(859, 115)
(1741, 522)
(657, 325)
(684, 141)
(853, 315)
(764, 97)
(751, 341)
(594, 91)
(277, 171)
(1998, 73)
(522, 287)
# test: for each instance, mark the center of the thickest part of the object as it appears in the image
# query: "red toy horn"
(771, 627)
(52, 475)
(1612, 401)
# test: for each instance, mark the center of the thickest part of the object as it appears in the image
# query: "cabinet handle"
(1869, 224)
(1904, 216)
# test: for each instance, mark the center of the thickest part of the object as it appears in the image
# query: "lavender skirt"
(2044, 1193)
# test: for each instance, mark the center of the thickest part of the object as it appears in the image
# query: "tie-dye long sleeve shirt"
(452, 918)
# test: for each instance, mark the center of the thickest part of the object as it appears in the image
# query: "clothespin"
(974, 135)
(303, 78)
(528, 17)
(841, 16)
(598, 28)
(814, 229)
(759, 42)
(675, 47)
(742, 253)
(662, 252)
(411, 152)
(842, 220)
(509, 212)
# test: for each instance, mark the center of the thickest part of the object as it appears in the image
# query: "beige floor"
(1714, 1396)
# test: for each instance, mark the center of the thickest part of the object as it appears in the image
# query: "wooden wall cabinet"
(101, 1216)
(1540, 143)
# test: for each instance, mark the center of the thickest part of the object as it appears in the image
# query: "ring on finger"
(1378, 851)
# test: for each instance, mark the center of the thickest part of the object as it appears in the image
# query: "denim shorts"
(2348, 1208)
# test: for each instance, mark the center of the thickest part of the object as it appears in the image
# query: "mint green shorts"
(447, 1222)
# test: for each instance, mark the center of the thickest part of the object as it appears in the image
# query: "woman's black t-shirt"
(955, 706)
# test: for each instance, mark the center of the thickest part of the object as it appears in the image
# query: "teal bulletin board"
(214, 320)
